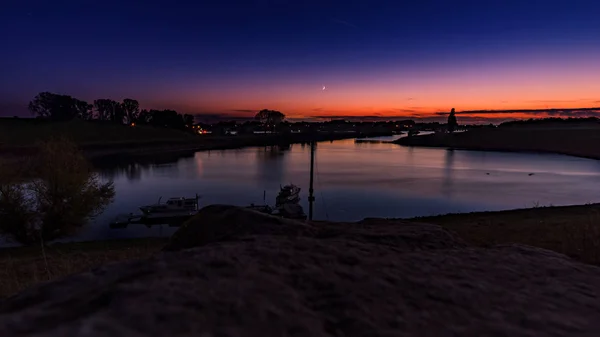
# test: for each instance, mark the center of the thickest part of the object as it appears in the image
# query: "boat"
(173, 212)
(173, 206)
(288, 194)
(286, 204)
(413, 132)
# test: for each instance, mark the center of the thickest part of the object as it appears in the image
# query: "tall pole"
(311, 197)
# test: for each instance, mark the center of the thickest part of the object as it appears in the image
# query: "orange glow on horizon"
(530, 84)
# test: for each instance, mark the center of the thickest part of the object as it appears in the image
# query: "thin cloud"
(410, 99)
(361, 118)
(554, 101)
(345, 23)
(561, 101)
(529, 111)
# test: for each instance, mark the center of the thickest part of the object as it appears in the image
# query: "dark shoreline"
(132, 150)
(570, 142)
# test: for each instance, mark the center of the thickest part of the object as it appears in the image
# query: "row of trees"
(57, 107)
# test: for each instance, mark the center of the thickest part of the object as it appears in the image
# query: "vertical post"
(311, 197)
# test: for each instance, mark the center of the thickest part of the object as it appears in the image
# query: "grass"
(22, 267)
(571, 230)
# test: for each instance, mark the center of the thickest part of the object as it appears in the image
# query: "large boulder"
(220, 223)
(215, 223)
(374, 278)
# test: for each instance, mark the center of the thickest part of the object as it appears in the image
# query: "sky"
(381, 59)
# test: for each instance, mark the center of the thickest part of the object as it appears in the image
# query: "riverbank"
(207, 143)
(571, 230)
(579, 142)
(18, 138)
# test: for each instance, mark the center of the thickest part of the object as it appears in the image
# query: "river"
(353, 181)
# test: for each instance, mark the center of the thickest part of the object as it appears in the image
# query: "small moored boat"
(175, 205)
(286, 204)
(288, 194)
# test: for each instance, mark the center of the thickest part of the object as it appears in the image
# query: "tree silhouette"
(166, 118)
(109, 110)
(103, 108)
(131, 108)
(83, 108)
(270, 118)
(59, 107)
(118, 113)
(452, 123)
(144, 117)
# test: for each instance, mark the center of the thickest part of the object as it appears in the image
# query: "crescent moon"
(323, 87)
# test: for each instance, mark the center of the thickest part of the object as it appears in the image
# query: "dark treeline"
(57, 107)
(550, 120)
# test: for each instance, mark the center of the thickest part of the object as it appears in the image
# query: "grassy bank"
(26, 132)
(580, 142)
(22, 267)
(572, 230)
(19, 137)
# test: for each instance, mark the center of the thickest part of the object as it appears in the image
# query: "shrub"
(58, 196)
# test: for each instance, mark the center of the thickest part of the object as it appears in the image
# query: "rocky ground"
(234, 272)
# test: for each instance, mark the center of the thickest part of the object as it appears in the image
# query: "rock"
(216, 223)
(372, 278)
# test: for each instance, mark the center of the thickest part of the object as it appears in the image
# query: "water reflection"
(447, 177)
(354, 180)
(271, 163)
(122, 166)
(133, 172)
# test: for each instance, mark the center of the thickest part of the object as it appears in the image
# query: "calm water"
(354, 181)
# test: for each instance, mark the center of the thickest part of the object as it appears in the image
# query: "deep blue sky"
(376, 57)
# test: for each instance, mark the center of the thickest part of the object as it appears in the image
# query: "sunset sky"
(375, 58)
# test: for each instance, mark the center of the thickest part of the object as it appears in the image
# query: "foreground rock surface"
(373, 278)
